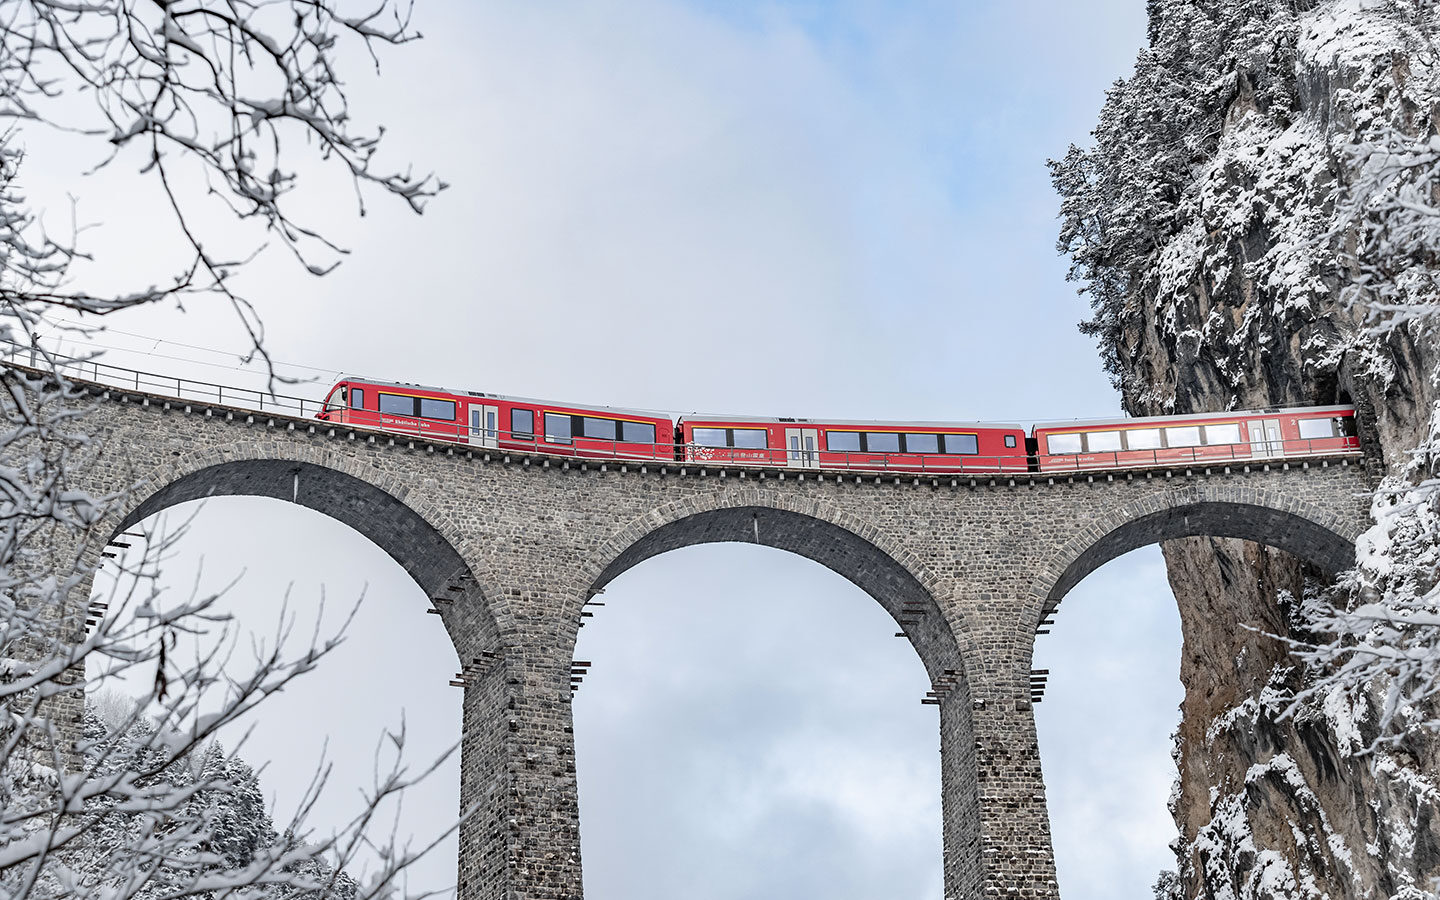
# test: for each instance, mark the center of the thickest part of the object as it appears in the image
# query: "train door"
(484, 425)
(1265, 437)
(803, 446)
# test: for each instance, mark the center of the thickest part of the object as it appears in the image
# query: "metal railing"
(165, 385)
(579, 446)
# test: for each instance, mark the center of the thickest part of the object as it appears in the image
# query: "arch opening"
(750, 727)
(272, 560)
(1118, 567)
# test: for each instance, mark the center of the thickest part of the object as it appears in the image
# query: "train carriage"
(601, 432)
(502, 423)
(1199, 438)
(942, 447)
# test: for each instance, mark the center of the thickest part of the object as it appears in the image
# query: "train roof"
(1197, 417)
(379, 382)
(856, 423)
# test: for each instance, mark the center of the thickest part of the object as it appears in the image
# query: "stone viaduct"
(509, 548)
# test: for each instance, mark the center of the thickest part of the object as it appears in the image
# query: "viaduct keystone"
(510, 547)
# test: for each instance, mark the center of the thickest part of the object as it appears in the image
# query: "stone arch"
(862, 554)
(1313, 534)
(869, 557)
(378, 506)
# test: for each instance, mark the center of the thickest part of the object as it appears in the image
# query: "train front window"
(922, 443)
(637, 432)
(1185, 436)
(1229, 433)
(845, 441)
(357, 398)
(882, 441)
(1056, 443)
(397, 405)
(709, 437)
(604, 429)
(1345, 426)
(335, 401)
(750, 438)
(1314, 429)
(431, 408)
(522, 423)
(1143, 439)
(962, 443)
(557, 428)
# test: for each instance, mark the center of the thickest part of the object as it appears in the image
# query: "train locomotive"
(593, 432)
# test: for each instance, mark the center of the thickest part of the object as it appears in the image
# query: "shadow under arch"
(1308, 536)
(1288, 525)
(892, 584)
(900, 587)
(406, 536)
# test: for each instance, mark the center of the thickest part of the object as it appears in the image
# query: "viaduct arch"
(1314, 534)
(509, 547)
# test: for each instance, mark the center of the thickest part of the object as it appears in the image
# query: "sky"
(816, 209)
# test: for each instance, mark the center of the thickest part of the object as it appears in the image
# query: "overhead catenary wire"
(238, 364)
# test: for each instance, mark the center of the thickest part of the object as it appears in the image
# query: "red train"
(601, 432)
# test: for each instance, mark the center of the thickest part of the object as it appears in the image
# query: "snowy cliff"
(1209, 227)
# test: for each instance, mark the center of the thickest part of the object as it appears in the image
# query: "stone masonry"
(510, 547)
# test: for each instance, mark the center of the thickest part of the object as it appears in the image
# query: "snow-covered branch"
(215, 100)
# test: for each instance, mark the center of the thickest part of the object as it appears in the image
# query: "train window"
(335, 400)
(750, 438)
(592, 427)
(1345, 426)
(1010, 441)
(1060, 443)
(357, 398)
(922, 443)
(637, 432)
(709, 437)
(1228, 433)
(431, 408)
(882, 441)
(1102, 441)
(522, 423)
(1142, 439)
(557, 428)
(397, 405)
(1183, 436)
(1311, 429)
(846, 441)
(962, 443)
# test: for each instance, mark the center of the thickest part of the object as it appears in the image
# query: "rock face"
(1202, 226)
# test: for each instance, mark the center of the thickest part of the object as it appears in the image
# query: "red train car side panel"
(1174, 440)
(940, 448)
(501, 422)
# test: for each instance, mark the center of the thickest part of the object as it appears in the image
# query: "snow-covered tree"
(226, 107)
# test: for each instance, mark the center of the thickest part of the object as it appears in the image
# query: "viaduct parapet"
(510, 547)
